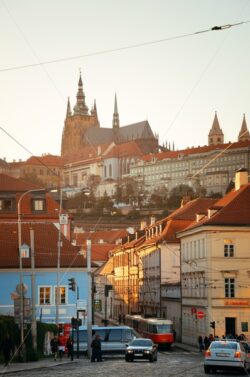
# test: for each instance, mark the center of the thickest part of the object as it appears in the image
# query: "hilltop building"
(82, 129)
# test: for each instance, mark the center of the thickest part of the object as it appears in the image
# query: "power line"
(123, 48)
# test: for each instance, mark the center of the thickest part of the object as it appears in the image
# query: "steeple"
(215, 135)
(116, 122)
(244, 133)
(68, 113)
(80, 108)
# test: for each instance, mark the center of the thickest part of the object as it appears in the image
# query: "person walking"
(70, 348)
(54, 347)
(8, 349)
(96, 349)
(200, 342)
(206, 343)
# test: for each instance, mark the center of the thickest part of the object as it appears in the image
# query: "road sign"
(200, 314)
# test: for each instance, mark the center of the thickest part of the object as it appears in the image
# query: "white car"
(226, 354)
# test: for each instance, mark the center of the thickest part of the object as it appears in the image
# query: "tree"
(179, 193)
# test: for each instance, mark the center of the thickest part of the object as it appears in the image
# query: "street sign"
(64, 219)
(26, 310)
(200, 314)
(81, 304)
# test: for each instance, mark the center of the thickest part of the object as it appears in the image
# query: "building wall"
(204, 270)
(212, 171)
(44, 278)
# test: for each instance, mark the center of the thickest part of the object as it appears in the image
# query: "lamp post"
(89, 305)
(19, 231)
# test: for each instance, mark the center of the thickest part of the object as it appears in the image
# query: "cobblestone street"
(169, 364)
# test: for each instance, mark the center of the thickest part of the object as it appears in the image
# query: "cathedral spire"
(116, 122)
(80, 108)
(68, 113)
(244, 133)
(215, 135)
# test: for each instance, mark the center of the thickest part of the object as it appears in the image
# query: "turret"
(80, 108)
(116, 122)
(244, 133)
(215, 135)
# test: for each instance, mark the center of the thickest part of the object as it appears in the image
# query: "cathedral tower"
(244, 133)
(215, 135)
(77, 123)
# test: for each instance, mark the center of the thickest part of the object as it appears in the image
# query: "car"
(141, 348)
(226, 354)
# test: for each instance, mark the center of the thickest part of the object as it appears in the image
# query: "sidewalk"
(45, 363)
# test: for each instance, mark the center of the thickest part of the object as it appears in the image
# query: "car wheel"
(127, 358)
(206, 369)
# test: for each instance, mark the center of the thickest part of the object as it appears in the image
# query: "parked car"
(141, 348)
(113, 338)
(226, 354)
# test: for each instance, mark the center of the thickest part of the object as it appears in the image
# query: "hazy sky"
(176, 85)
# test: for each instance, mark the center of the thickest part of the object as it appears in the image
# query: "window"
(115, 335)
(44, 295)
(62, 295)
(229, 250)
(38, 204)
(6, 205)
(229, 287)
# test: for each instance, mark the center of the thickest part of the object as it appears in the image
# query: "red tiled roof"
(110, 236)
(45, 244)
(48, 160)
(100, 252)
(126, 149)
(8, 183)
(88, 153)
(232, 210)
(197, 150)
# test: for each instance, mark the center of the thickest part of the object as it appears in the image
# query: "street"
(173, 363)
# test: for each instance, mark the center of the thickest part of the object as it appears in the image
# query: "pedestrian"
(200, 342)
(70, 348)
(174, 335)
(8, 349)
(61, 348)
(54, 346)
(96, 349)
(120, 319)
(206, 342)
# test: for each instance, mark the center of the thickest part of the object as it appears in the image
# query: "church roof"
(140, 130)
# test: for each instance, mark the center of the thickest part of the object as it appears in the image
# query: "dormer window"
(6, 204)
(38, 205)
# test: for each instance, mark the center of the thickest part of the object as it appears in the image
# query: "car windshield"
(225, 345)
(141, 343)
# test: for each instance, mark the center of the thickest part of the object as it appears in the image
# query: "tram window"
(115, 335)
(153, 329)
(164, 329)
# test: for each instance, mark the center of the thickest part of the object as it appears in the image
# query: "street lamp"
(19, 231)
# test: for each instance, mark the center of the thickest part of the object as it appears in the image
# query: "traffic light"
(107, 289)
(72, 284)
(212, 324)
(74, 322)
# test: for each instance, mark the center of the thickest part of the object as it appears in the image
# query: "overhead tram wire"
(129, 47)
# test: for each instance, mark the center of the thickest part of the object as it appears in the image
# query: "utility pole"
(33, 291)
(89, 305)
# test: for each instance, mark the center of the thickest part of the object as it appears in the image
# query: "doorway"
(230, 326)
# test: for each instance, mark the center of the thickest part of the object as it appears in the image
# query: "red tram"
(160, 330)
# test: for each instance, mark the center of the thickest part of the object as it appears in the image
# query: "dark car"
(141, 348)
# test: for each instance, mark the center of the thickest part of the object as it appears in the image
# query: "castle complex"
(83, 129)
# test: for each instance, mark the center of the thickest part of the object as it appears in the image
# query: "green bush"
(8, 325)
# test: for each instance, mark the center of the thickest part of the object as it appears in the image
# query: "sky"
(176, 84)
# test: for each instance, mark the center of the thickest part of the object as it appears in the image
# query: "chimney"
(143, 225)
(152, 220)
(241, 178)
